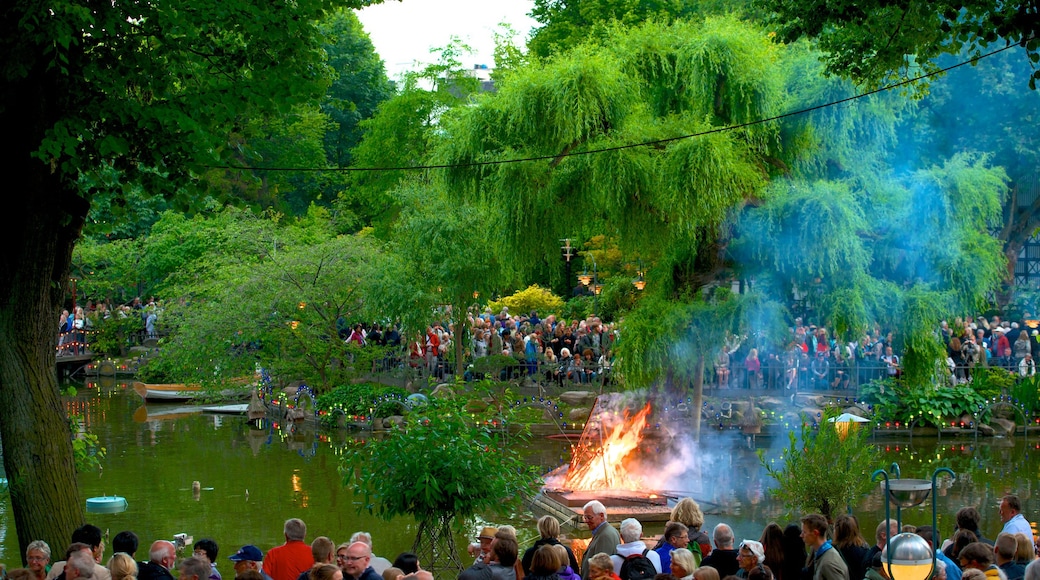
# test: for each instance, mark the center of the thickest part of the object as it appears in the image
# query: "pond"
(253, 480)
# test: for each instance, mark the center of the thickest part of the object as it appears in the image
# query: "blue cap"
(250, 553)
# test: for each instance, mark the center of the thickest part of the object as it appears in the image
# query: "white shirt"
(1017, 524)
(624, 550)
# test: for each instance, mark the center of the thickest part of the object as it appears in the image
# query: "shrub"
(368, 399)
(536, 298)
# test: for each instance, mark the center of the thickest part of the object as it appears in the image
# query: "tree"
(149, 91)
(877, 41)
(440, 468)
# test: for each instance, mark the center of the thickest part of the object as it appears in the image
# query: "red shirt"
(288, 561)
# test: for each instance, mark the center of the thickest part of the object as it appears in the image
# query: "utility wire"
(882, 89)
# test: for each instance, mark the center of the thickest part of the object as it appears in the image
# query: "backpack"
(638, 567)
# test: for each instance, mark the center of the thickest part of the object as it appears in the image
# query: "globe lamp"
(908, 557)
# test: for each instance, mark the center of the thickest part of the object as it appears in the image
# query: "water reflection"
(252, 479)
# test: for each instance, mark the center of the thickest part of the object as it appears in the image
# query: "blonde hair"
(688, 513)
(122, 567)
(683, 558)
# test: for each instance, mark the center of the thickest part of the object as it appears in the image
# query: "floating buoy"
(106, 505)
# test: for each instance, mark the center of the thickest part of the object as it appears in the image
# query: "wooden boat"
(181, 392)
(146, 413)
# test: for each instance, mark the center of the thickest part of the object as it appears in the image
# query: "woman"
(773, 544)
(407, 562)
(722, 368)
(1024, 550)
(851, 545)
(794, 552)
(549, 529)
(601, 567)
(688, 513)
(123, 567)
(321, 572)
(753, 366)
(683, 564)
(38, 556)
(544, 564)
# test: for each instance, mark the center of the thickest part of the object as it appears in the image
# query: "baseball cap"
(250, 553)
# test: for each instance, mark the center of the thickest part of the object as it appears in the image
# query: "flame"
(602, 466)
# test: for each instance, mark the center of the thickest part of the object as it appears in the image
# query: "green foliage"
(577, 308)
(368, 399)
(534, 297)
(115, 334)
(821, 471)
(86, 447)
(439, 466)
(1027, 390)
(895, 401)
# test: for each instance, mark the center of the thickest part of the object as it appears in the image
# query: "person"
(750, 555)
(287, 561)
(207, 550)
(1011, 515)
(122, 567)
(37, 556)
(675, 536)
(1004, 549)
(682, 564)
(125, 542)
(194, 568)
(248, 558)
(824, 560)
(566, 571)
(378, 563)
(90, 535)
(1025, 551)
(481, 550)
(980, 557)
(772, 541)
(953, 571)
(794, 553)
(549, 530)
(544, 564)
(1033, 570)
(161, 556)
(706, 573)
(604, 537)
(322, 550)
(689, 514)
(409, 562)
(723, 558)
(600, 566)
(80, 564)
(504, 556)
(324, 570)
(392, 573)
(632, 545)
(17, 574)
(356, 565)
(882, 532)
(851, 545)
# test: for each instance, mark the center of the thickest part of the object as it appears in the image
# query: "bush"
(367, 399)
(114, 335)
(896, 402)
(536, 298)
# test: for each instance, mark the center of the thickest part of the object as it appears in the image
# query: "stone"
(578, 415)
(1002, 426)
(392, 420)
(477, 405)
(443, 391)
(986, 430)
(578, 397)
(770, 403)
(854, 410)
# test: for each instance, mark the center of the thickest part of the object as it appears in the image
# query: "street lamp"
(639, 282)
(596, 288)
(908, 556)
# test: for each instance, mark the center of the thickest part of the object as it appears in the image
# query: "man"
(824, 559)
(323, 552)
(604, 537)
(37, 556)
(952, 570)
(967, 519)
(287, 561)
(80, 564)
(161, 557)
(980, 557)
(90, 536)
(881, 535)
(750, 555)
(356, 563)
(1004, 550)
(378, 563)
(194, 568)
(207, 549)
(632, 538)
(676, 536)
(1011, 515)
(125, 542)
(504, 554)
(723, 558)
(248, 558)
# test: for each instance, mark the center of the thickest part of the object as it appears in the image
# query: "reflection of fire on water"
(600, 459)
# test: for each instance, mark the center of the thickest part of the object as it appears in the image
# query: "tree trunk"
(45, 218)
(435, 546)
(698, 396)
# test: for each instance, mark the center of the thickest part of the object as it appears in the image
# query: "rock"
(578, 397)
(854, 410)
(443, 391)
(393, 420)
(477, 405)
(770, 403)
(1002, 426)
(812, 414)
(578, 415)
(986, 430)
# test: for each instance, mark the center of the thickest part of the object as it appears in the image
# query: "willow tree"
(668, 201)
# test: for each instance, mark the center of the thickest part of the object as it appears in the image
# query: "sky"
(403, 32)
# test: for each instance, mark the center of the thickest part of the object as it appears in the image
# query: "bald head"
(162, 553)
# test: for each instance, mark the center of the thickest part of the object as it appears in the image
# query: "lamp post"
(908, 556)
(639, 282)
(567, 250)
(585, 279)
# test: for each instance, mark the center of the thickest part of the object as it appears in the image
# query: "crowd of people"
(813, 549)
(74, 327)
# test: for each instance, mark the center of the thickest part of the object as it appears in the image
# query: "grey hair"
(723, 536)
(596, 507)
(631, 530)
(39, 545)
(82, 562)
(361, 537)
(1033, 571)
(295, 529)
(196, 567)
